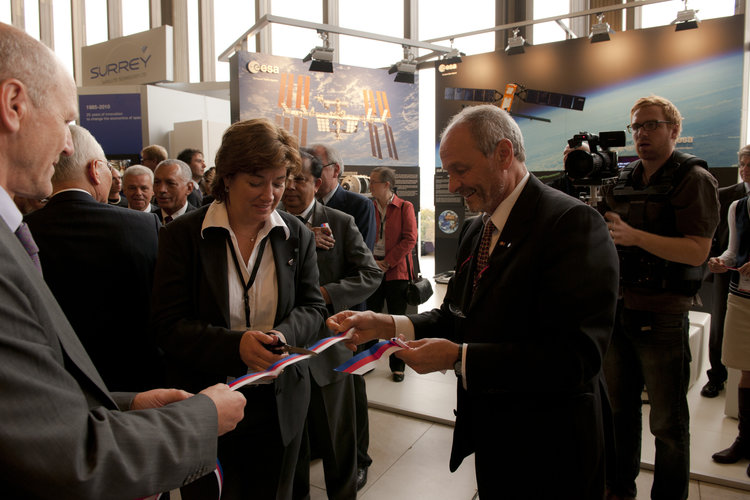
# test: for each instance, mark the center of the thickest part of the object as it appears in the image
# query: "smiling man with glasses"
(663, 211)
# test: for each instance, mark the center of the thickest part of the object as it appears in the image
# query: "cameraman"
(663, 211)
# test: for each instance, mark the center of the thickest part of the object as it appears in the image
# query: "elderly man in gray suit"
(63, 434)
(348, 275)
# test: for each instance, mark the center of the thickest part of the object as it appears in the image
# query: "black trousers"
(720, 288)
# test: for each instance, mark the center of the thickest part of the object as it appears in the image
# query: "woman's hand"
(253, 352)
(716, 265)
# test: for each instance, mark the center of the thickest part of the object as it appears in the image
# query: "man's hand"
(367, 326)
(745, 269)
(254, 354)
(229, 404)
(156, 398)
(430, 355)
(323, 238)
(716, 265)
(621, 232)
(383, 265)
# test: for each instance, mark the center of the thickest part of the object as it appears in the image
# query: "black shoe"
(733, 454)
(712, 389)
(398, 376)
(361, 477)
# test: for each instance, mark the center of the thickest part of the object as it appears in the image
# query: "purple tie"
(24, 236)
(483, 255)
(168, 219)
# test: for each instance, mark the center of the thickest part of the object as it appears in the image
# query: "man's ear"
(190, 186)
(15, 104)
(503, 153)
(92, 173)
(336, 170)
(318, 183)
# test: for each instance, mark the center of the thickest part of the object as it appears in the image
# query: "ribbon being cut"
(366, 360)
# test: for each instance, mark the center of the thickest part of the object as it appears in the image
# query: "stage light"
(405, 68)
(452, 57)
(600, 31)
(515, 44)
(321, 57)
(686, 19)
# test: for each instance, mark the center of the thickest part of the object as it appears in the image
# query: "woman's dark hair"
(251, 146)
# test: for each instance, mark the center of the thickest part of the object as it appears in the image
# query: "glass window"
(135, 17)
(63, 33)
(549, 32)
(661, 14)
(31, 18)
(5, 12)
(385, 19)
(439, 18)
(289, 41)
(96, 22)
(232, 18)
(194, 52)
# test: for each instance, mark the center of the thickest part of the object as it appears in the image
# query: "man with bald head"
(64, 434)
(77, 217)
(172, 185)
(525, 322)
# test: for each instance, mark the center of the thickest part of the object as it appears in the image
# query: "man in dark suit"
(717, 373)
(77, 217)
(525, 321)
(138, 186)
(172, 185)
(193, 158)
(64, 435)
(362, 209)
(348, 275)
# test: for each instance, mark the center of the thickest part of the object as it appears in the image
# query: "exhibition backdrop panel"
(700, 70)
(115, 121)
(363, 113)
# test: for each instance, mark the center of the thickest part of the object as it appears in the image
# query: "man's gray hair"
(333, 156)
(72, 167)
(184, 171)
(138, 170)
(28, 60)
(488, 125)
(744, 151)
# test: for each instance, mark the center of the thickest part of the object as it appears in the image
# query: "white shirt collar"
(179, 212)
(217, 216)
(70, 189)
(9, 211)
(328, 197)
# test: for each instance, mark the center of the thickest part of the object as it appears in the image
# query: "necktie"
(24, 236)
(483, 255)
(302, 219)
(168, 219)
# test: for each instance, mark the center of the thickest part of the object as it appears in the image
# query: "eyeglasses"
(648, 126)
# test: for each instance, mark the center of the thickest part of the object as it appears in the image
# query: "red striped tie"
(483, 255)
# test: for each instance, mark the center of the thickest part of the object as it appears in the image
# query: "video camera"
(587, 169)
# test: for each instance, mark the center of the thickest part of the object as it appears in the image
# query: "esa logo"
(256, 67)
(447, 67)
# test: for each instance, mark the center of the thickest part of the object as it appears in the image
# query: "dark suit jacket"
(84, 247)
(349, 274)
(62, 435)
(157, 211)
(190, 311)
(195, 197)
(359, 207)
(726, 196)
(537, 328)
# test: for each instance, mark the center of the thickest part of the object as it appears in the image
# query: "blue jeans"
(652, 349)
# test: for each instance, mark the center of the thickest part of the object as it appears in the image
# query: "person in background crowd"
(194, 159)
(114, 197)
(717, 373)
(152, 155)
(396, 237)
(64, 434)
(662, 250)
(172, 186)
(234, 279)
(138, 185)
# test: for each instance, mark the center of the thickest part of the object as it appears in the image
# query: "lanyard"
(249, 284)
(382, 222)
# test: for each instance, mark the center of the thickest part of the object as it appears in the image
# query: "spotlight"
(515, 44)
(405, 68)
(686, 19)
(600, 31)
(452, 57)
(321, 57)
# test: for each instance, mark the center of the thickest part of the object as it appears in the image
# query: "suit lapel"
(285, 256)
(213, 255)
(511, 237)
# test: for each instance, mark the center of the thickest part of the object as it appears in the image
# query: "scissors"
(282, 346)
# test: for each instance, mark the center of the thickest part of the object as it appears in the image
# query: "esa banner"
(366, 115)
